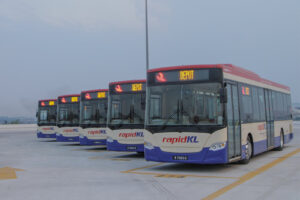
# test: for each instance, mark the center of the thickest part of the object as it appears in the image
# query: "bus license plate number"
(180, 158)
(131, 148)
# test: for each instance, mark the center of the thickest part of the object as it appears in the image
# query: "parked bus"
(46, 118)
(211, 114)
(126, 116)
(93, 117)
(68, 118)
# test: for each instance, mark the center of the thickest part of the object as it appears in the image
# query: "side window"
(247, 105)
(262, 109)
(285, 112)
(279, 106)
(289, 106)
(256, 112)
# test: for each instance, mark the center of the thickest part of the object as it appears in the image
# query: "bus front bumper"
(61, 138)
(44, 135)
(205, 156)
(116, 146)
(90, 142)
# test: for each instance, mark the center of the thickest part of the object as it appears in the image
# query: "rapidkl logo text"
(127, 135)
(182, 140)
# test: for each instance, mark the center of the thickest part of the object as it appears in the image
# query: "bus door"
(269, 118)
(233, 122)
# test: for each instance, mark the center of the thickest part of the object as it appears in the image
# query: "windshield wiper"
(171, 116)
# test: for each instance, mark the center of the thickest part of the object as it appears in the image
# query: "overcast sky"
(54, 47)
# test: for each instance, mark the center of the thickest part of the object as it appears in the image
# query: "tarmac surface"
(39, 170)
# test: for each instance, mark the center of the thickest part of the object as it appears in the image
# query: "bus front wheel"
(249, 150)
(280, 148)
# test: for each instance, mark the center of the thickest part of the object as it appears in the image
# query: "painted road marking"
(168, 175)
(250, 175)
(90, 150)
(9, 173)
(121, 159)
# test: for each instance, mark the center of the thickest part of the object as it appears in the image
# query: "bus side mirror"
(36, 114)
(223, 95)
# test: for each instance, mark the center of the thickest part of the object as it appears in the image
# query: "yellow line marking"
(87, 150)
(9, 173)
(121, 159)
(139, 168)
(135, 171)
(250, 175)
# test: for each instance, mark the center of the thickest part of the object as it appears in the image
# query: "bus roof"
(227, 68)
(98, 90)
(131, 81)
(48, 100)
(70, 95)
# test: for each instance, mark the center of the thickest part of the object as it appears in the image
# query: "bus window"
(43, 115)
(261, 100)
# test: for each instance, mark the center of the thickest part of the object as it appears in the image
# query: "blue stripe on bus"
(46, 135)
(261, 146)
(116, 146)
(89, 142)
(203, 157)
(61, 138)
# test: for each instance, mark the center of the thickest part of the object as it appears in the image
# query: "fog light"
(109, 139)
(217, 146)
(148, 145)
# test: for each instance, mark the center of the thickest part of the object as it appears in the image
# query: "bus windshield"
(47, 116)
(68, 114)
(185, 104)
(93, 112)
(127, 109)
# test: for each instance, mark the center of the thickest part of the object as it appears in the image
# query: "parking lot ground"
(35, 169)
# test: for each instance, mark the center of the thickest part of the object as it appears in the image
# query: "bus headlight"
(58, 134)
(81, 136)
(109, 139)
(148, 145)
(217, 146)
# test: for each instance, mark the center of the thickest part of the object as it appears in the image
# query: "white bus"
(211, 114)
(46, 118)
(126, 114)
(93, 117)
(68, 109)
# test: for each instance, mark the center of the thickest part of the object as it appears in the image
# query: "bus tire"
(249, 150)
(280, 148)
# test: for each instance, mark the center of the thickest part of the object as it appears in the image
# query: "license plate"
(180, 158)
(131, 148)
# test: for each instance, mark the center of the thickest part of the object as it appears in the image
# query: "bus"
(46, 118)
(68, 109)
(93, 117)
(214, 114)
(126, 114)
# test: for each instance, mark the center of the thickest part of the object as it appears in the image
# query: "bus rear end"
(126, 116)
(68, 118)
(185, 115)
(46, 117)
(93, 117)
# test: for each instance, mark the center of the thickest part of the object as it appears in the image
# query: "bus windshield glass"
(127, 109)
(47, 115)
(68, 114)
(93, 112)
(185, 104)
